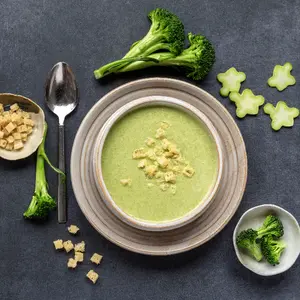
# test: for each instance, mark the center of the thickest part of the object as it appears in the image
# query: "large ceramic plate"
(178, 240)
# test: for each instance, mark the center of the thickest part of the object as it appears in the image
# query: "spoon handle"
(61, 197)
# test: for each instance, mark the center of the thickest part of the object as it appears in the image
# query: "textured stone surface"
(251, 35)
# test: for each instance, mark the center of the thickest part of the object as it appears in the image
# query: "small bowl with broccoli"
(267, 240)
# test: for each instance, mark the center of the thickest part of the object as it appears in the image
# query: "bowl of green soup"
(158, 163)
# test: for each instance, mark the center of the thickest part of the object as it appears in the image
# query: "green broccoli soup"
(159, 163)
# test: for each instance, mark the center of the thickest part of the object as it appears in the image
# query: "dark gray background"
(250, 35)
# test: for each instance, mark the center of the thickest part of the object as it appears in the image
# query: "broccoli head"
(247, 240)
(41, 203)
(272, 249)
(166, 33)
(40, 206)
(197, 60)
(271, 226)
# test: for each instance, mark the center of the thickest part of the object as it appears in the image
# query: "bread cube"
(151, 154)
(139, 153)
(58, 244)
(22, 129)
(96, 258)
(68, 245)
(18, 145)
(17, 135)
(1, 134)
(170, 177)
(1, 108)
(188, 171)
(142, 164)
(15, 118)
(126, 182)
(3, 143)
(14, 107)
(165, 144)
(150, 142)
(80, 247)
(160, 133)
(2, 121)
(26, 115)
(9, 147)
(151, 170)
(93, 276)
(163, 162)
(72, 263)
(73, 229)
(10, 139)
(164, 125)
(24, 137)
(78, 256)
(10, 127)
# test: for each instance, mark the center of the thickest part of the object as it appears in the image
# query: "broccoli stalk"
(166, 33)
(247, 240)
(41, 203)
(272, 249)
(196, 61)
(271, 226)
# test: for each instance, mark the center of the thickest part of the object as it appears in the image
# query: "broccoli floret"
(272, 249)
(166, 33)
(196, 61)
(41, 203)
(271, 226)
(247, 240)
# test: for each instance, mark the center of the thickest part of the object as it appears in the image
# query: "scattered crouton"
(96, 258)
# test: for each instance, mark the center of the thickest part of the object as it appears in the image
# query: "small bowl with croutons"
(22, 124)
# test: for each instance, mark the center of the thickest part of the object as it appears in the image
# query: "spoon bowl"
(61, 91)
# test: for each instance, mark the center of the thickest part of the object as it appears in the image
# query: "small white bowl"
(254, 218)
(37, 115)
(97, 168)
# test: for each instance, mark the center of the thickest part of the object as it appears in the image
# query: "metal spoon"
(61, 98)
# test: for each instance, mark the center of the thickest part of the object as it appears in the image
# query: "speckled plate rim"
(241, 168)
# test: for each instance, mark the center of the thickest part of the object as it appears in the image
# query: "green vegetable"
(282, 77)
(281, 115)
(247, 103)
(272, 249)
(272, 226)
(247, 240)
(166, 33)
(41, 203)
(231, 81)
(196, 61)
